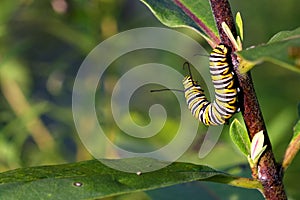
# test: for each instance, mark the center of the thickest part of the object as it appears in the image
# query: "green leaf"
(283, 49)
(92, 179)
(186, 13)
(285, 35)
(239, 25)
(239, 136)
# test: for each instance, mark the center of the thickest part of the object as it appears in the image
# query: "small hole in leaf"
(139, 173)
(77, 184)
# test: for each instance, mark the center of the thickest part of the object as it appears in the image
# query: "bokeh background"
(43, 43)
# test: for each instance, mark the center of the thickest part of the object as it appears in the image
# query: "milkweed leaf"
(92, 179)
(196, 15)
(282, 49)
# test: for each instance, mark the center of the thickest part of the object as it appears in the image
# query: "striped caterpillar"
(225, 104)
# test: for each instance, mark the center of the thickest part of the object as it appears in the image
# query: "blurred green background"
(43, 43)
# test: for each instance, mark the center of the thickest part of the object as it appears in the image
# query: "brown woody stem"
(268, 172)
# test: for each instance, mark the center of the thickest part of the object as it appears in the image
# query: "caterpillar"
(225, 105)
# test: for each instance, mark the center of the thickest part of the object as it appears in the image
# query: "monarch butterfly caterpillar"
(225, 104)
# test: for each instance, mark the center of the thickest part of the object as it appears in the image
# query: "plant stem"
(291, 152)
(268, 172)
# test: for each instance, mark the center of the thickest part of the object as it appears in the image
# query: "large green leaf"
(282, 49)
(92, 179)
(186, 13)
